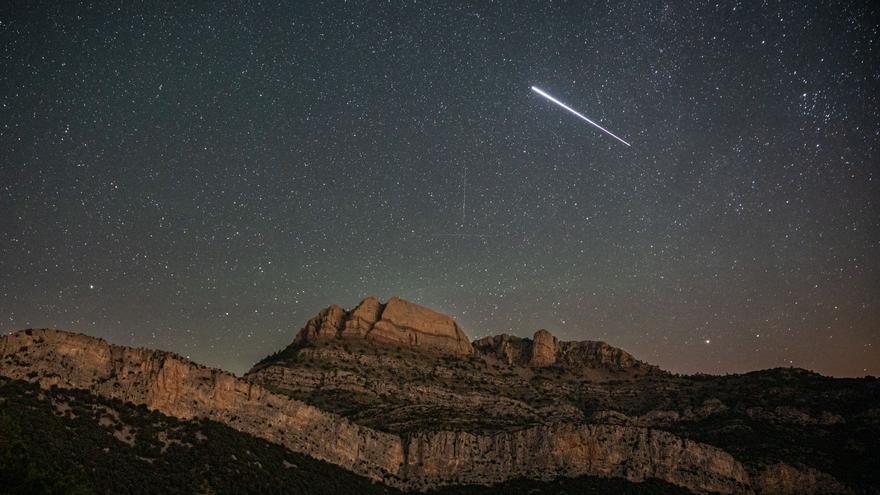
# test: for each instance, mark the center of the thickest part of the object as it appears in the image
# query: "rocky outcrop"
(545, 350)
(178, 387)
(362, 318)
(596, 354)
(326, 325)
(402, 323)
(406, 323)
(396, 322)
(509, 349)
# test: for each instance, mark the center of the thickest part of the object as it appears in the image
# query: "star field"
(204, 179)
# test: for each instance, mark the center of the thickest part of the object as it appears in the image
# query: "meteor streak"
(563, 105)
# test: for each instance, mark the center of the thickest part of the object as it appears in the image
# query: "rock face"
(596, 354)
(181, 388)
(545, 350)
(550, 451)
(402, 323)
(325, 326)
(396, 322)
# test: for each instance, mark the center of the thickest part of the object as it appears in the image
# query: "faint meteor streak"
(463, 195)
(563, 105)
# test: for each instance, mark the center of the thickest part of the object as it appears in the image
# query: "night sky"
(203, 178)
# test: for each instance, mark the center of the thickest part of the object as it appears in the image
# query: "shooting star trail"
(464, 196)
(465, 235)
(563, 105)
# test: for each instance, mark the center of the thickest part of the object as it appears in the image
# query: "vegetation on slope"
(793, 416)
(584, 485)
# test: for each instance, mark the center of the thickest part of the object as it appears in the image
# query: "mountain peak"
(403, 323)
(396, 322)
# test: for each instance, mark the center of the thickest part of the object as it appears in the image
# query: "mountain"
(341, 361)
(396, 393)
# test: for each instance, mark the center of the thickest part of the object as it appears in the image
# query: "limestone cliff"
(549, 451)
(181, 388)
(178, 387)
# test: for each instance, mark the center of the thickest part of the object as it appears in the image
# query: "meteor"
(563, 105)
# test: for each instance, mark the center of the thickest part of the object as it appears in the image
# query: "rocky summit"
(546, 350)
(398, 394)
(396, 322)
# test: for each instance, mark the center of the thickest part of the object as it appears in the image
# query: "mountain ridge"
(377, 322)
(180, 388)
(416, 410)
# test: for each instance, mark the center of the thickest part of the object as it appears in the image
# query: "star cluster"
(204, 178)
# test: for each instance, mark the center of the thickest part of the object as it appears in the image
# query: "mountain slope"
(101, 445)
